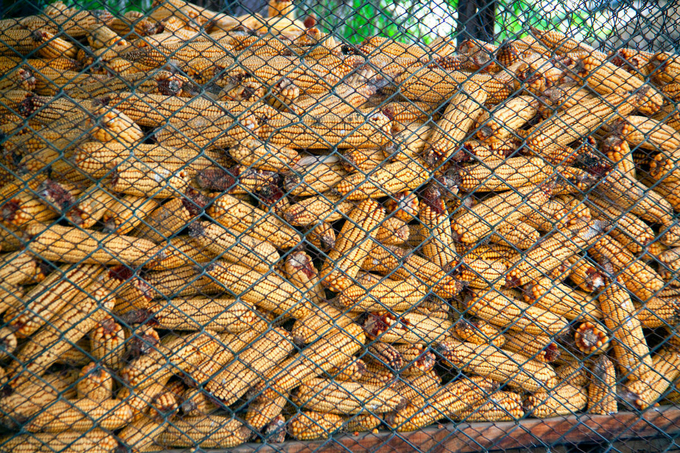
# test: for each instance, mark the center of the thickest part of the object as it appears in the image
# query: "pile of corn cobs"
(218, 230)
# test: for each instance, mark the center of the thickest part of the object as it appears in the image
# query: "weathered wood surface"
(472, 437)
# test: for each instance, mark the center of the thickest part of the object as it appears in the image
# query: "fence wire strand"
(255, 233)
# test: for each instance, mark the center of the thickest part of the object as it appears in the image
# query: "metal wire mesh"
(257, 234)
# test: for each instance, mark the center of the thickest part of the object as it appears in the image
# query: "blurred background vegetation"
(422, 21)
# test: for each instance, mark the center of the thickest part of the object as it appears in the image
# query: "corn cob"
(479, 332)
(90, 207)
(196, 402)
(562, 97)
(11, 238)
(638, 277)
(208, 431)
(537, 347)
(16, 40)
(219, 315)
(133, 23)
(605, 77)
(95, 441)
(327, 352)
(416, 389)
(602, 388)
(479, 273)
(239, 248)
(418, 359)
(404, 206)
(321, 208)
(502, 209)
(630, 346)
(352, 246)
(148, 180)
(229, 346)
(141, 435)
(460, 116)
(313, 177)
(408, 143)
(25, 209)
(302, 274)
(586, 274)
(386, 355)
(561, 300)
(550, 253)
(47, 298)
(591, 338)
(81, 415)
(242, 217)
(177, 355)
(630, 231)
(72, 244)
(350, 370)
(72, 324)
(403, 265)
(647, 133)
(184, 251)
(318, 322)
(387, 179)
(447, 401)
(519, 236)
(646, 391)
(370, 294)
(94, 383)
(264, 156)
(125, 213)
(411, 328)
(505, 120)
(346, 398)
(501, 406)
(266, 290)
(309, 425)
(508, 312)
(20, 268)
(658, 312)
(434, 215)
(234, 380)
(108, 343)
(576, 122)
(563, 399)
(36, 394)
(511, 174)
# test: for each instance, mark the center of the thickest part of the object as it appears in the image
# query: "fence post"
(476, 19)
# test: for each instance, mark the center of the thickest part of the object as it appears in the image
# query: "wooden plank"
(472, 437)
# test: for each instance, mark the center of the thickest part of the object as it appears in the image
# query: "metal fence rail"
(256, 233)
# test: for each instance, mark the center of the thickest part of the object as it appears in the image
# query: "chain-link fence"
(269, 233)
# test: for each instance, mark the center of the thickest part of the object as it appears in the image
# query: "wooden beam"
(472, 437)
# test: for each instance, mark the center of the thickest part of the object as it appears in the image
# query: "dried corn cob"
(318, 322)
(232, 381)
(537, 347)
(352, 246)
(178, 354)
(20, 268)
(322, 208)
(243, 249)
(505, 311)
(653, 384)
(563, 399)
(591, 338)
(346, 398)
(95, 441)
(310, 425)
(125, 213)
(108, 343)
(498, 175)
(519, 236)
(371, 293)
(242, 217)
(602, 388)
(387, 179)
(350, 370)
(416, 389)
(302, 274)
(208, 431)
(87, 246)
(329, 351)
(639, 278)
(460, 116)
(505, 208)
(411, 328)
(266, 290)
(630, 346)
(94, 383)
(72, 323)
(448, 400)
(434, 215)
(419, 360)
(149, 180)
(500, 406)
(479, 332)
